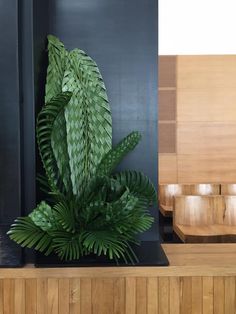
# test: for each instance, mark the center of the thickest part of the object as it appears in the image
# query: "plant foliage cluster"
(91, 208)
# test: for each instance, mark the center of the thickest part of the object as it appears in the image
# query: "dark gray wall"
(121, 36)
(10, 159)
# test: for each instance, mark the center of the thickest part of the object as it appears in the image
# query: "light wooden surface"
(200, 279)
(167, 192)
(228, 189)
(205, 121)
(205, 218)
(167, 168)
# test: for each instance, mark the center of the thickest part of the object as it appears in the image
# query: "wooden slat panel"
(152, 295)
(163, 295)
(167, 168)
(230, 302)
(141, 296)
(19, 296)
(53, 302)
(119, 296)
(197, 295)
(174, 295)
(64, 296)
(206, 71)
(103, 296)
(130, 295)
(9, 296)
(206, 138)
(212, 105)
(31, 296)
(1, 297)
(167, 105)
(186, 295)
(205, 168)
(207, 292)
(86, 295)
(219, 295)
(167, 138)
(42, 295)
(167, 71)
(75, 296)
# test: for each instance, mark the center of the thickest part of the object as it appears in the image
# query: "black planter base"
(149, 253)
(10, 252)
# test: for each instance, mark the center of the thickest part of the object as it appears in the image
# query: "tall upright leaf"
(88, 118)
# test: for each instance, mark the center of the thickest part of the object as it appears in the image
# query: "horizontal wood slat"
(167, 168)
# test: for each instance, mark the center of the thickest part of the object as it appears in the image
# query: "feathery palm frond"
(116, 154)
(88, 118)
(45, 123)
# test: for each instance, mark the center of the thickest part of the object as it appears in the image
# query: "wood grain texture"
(64, 296)
(167, 105)
(206, 105)
(167, 137)
(164, 295)
(152, 295)
(206, 168)
(167, 71)
(167, 165)
(207, 300)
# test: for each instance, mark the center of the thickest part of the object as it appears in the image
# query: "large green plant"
(91, 209)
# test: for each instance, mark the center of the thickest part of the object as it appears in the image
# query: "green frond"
(88, 118)
(45, 125)
(138, 184)
(67, 246)
(27, 234)
(65, 215)
(116, 154)
(43, 217)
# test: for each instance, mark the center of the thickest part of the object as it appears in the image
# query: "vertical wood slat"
(197, 295)
(119, 296)
(186, 295)
(75, 296)
(8, 296)
(31, 296)
(130, 295)
(174, 295)
(207, 292)
(163, 295)
(1, 297)
(52, 296)
(141, 295)
(219, 295)
(230, 302)
(20, 296)
(63, 296)
(42, 295)
(102, 296)
(152, 295)
(86, 295)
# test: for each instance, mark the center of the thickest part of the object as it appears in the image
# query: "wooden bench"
(228, 189)
(205, 218)
(167, 192)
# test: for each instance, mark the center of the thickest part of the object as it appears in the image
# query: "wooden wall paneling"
(102, 295)
(64, 296)
(53, 301)
(167, 137)
(219, 295)
(141, 295)
(152, 295)
(167, 71)
(163, 295)
(205, 72)
(206, 104)
(197, 295)
(42, 295)
(186, 295)
(230, 295)
(75, 296)
(8, 296)
(167, 105)
(130, 295)
(1, 297)
(207, 294)
(206, 168)
(86, 295)
(175, 295)
(167, 168)
(197, 138)
(20, 296)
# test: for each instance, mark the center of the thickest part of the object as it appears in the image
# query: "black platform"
(10, 252)
(149, 253)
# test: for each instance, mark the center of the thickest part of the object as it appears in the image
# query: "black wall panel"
(122, 38)
(10, 159)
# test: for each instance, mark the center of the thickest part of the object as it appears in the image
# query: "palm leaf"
(116, 154)
(64, 213)
(138, 184)
(45, 124)
(88, 118)
(27, 234)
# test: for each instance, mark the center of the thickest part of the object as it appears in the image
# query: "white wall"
(197, 27)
